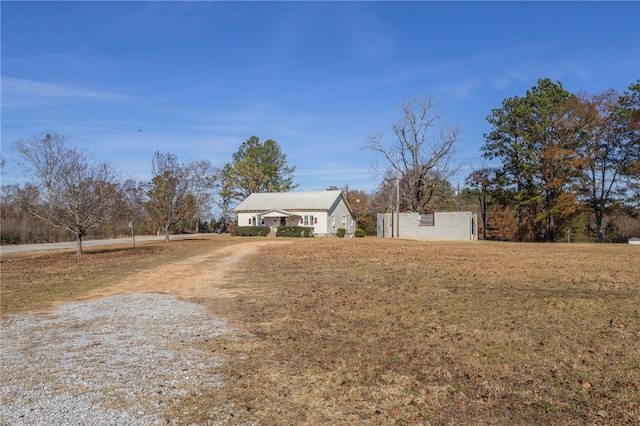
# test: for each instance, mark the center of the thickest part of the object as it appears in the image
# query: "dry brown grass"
(372, 331)
(398, 332)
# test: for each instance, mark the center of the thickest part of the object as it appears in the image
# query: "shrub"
(371, 229)
(360, 233)
(294, 231)
(251, 231)
(341, 232)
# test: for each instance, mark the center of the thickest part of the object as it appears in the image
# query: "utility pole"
(133, 237)
(397, 196)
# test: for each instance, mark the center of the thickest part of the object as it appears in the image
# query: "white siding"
(319, 204)
(341, 213)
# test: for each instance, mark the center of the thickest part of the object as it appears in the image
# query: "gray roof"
(309, 200)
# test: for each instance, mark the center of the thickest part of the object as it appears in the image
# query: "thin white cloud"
(322, 175)
(16, 89)
(464, 87)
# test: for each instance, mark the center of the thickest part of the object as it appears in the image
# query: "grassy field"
(371, 331)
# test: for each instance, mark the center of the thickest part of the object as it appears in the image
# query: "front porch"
(276, 218)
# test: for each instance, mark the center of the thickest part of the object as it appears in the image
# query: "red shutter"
(301, 220)
(315, 220)
(249, 221)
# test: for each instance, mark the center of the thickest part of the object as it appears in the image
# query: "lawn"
(372, 331)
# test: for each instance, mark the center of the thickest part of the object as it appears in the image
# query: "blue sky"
(126, 79)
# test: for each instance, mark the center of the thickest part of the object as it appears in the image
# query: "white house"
(324, 211)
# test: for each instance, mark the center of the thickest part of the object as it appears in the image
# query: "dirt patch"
(201, 276)
(186, 268)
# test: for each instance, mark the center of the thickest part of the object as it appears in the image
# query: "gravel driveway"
(115, 361)
(123, 357)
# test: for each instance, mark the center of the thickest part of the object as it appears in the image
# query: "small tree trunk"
(133, 236)
(549, 237)
(600, 236)
(166, 234)
(484, 216)
(78, 243)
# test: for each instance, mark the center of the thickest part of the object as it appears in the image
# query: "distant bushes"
(360, 233)
(341, 232)
(294, 231)
(251, 231)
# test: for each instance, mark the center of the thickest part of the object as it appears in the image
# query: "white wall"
(318, 228)
(457, 226)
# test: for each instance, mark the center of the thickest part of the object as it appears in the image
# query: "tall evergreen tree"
(257, 167)
(538, 155)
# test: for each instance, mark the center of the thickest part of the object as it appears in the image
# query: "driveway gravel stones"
(120, 360)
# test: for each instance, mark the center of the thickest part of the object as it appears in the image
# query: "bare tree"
(71, 192)
(168, 198)
(480, 182)
(420, 152)
(202, 177)
(131, 206)
(225, 202)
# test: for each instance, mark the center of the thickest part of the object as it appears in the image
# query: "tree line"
(565, 163)
(561, 165)
(69, 193)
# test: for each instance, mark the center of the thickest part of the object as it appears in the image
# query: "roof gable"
(303, 200)
(278, 213)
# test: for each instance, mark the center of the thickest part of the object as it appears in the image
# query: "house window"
(344, 220)
(333, 221)
(308, 220)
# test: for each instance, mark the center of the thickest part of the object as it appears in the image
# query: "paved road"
(90, 243)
